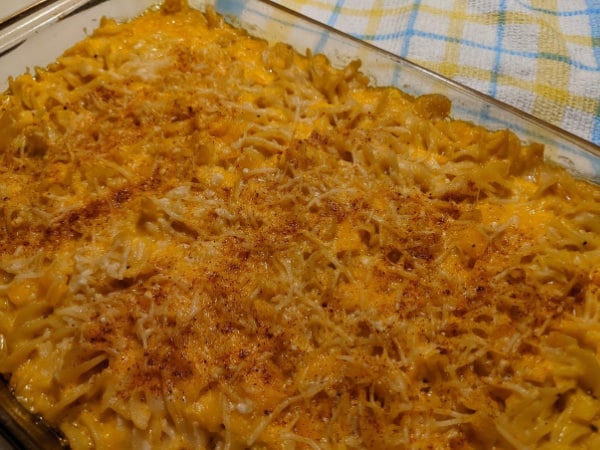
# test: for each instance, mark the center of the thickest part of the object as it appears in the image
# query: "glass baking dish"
(9, 9)
(35, 36)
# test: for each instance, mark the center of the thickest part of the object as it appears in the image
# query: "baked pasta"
(210, 241)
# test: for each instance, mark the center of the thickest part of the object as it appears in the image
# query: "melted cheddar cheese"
(210, 241)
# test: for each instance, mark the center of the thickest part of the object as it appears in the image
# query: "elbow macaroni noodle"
(208, 241)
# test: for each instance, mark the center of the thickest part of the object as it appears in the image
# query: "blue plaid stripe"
(336, 13)
(410, 29)
(331, 22)
(498, 49)
(594, 15)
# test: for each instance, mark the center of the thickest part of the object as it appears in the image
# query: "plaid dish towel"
(539, 56)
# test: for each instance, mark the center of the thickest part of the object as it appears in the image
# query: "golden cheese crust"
(208, 241)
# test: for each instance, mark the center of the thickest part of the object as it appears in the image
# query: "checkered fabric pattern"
(542, 56)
